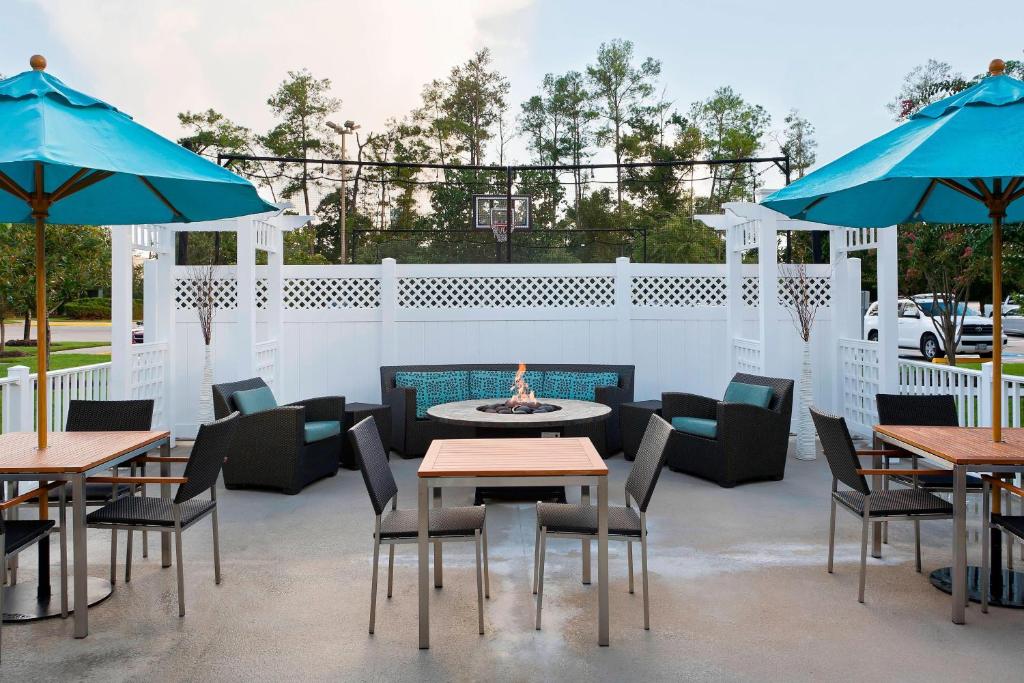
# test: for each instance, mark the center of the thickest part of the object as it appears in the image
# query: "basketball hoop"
(500, 230)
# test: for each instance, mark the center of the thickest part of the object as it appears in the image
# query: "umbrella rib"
(1011, 190)
(85, 182)
(60, 191)
(819, 200)
(954, 185)
(983, 189)
(12, 187)
(916, 215)
(160, 196)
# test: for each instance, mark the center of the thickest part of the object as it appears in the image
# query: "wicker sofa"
(411, 435)
(274, 448)
(748, 442)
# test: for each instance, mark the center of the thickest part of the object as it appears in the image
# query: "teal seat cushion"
(315, 431)
(581, 386)
(498, 383)
(254, 400)
(433, 388)
(697, 426)
(751, 394)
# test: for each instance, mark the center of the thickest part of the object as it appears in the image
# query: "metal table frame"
(438, 483)
(80, 555)
(959, 566)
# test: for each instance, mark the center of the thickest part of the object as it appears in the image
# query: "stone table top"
(572, 412)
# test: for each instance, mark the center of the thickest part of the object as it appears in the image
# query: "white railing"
(749, 235)
(968, 387)
(860, 239)
(146, 375)
(88, 382)
(266, 361)
(858, 364)
(9, 406)
(748, 355)
(1013, 393)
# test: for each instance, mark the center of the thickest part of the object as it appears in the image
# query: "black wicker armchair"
(749, 442)
(273, 448)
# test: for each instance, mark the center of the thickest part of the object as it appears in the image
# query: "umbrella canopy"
(66, 157)
(959, 160)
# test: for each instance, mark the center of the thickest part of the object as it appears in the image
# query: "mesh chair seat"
(896, 502)
(1013, 524)
(148, 511)
(582, 519)
(94, 493)
(19, 533)
(941, 482)
(449, 521)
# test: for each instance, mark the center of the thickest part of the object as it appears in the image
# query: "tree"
(729, 128)
(947, 259)
(572, 102)
(798, 142)
(934, 80)
(209, 134)
(303, 104)
(621, 88)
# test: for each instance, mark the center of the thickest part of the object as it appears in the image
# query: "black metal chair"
(402, 526)
(166, 515)
(750, 442)
(112, 416)
(912, 504)
(19, 534)
(994, 523)
(273, 448)
(624, 523)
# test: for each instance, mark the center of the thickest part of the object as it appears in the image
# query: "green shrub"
(97, 308)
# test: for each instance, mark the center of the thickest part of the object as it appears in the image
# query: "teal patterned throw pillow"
(580, 386)
(433, 388)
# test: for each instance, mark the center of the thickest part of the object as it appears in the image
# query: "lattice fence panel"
(320, 293)
(682, 291)
(820, 289)
(260, 295)
(506, 292)
(225, 293)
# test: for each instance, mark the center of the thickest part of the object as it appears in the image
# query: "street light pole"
(349, 128)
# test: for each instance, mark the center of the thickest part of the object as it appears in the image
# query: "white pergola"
(151, 367)
(863, 367)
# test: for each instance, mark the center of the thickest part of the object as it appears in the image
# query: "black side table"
(357, 412)
(633, 419)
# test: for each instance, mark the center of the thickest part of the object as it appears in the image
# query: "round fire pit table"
(491, 425)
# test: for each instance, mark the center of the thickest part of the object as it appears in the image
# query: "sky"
(837, 63)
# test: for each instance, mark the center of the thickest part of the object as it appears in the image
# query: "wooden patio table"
(73, 456)
(962, 450)
(513, 462)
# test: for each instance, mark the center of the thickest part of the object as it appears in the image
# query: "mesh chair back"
(110, 416)
(839, 450)
(373, 463)
(649, 460)
(926, 411)
(208, 453)
(223, 404)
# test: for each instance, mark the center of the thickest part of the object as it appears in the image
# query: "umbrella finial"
(996, 67)
(37, 62)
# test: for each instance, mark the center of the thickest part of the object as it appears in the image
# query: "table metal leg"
(585, 547)
(876, 527)
(602, 561)
(424, 561)
(959, 570)
(81, 556)
(438, 568)
(165, 492)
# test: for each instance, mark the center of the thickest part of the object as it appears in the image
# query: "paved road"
(62, 332)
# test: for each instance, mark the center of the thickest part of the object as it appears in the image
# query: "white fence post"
(985, 396)
(22, 400)
(388, 304)
(733, 294)
(768, 299)
(623, 310)
(245, 274)
(120, 311)
(888, 296)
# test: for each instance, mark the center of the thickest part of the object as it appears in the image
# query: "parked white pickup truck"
(1013, 316)
(917, 331)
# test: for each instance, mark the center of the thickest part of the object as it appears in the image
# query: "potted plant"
(799, 299)
(204, 284)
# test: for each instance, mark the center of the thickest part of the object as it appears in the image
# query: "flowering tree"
(944, 260)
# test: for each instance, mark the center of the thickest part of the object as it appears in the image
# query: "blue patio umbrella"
(959, 160)
(66, 157)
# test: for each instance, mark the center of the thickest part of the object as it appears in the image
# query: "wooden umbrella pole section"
(40, 212)
(997, 327)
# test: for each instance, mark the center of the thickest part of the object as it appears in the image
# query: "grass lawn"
(1008, 368)
(59, 361)
(55, 346)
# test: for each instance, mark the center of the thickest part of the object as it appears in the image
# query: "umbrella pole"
(997, 328)
(41, 336)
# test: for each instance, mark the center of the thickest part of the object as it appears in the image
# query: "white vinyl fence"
(18, 394)
(341, 323)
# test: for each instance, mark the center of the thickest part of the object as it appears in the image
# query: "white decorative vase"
(206, 387)
(805, 446)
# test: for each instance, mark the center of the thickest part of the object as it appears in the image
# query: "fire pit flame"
(523, 400)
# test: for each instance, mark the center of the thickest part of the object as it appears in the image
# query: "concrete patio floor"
(739, 592)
